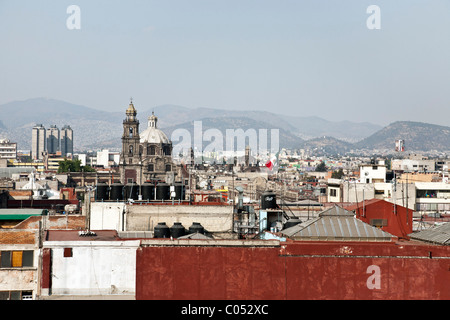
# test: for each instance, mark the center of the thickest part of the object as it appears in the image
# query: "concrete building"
(88, 263)
(432, 197)
(38, 142)
(216, 219)
(414, 164)
(51, 140)
(373, 172)
(52, 136)
(8, 149)
(107, 158)
(66, 143)
(19, 254)
(401, 193)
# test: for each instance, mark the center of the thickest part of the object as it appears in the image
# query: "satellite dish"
(260, 183)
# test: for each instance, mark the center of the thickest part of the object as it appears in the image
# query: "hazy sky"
(293, 57)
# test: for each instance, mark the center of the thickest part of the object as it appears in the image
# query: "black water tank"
(102, 192)
(291, 222)
(148, 191)
(268, 200)
(162, 191)
(132, 191)
(196, 227)
(116, 191)
(161, 231)
(179, 191)
(177, 230)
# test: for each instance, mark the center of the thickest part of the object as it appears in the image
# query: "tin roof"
(336, 224)
(438, 235)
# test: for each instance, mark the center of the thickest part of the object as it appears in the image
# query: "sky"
(291, 57)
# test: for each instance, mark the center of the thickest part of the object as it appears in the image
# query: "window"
(168, 167)
(167, 150)
(332, 192)
(151, 167)
(16, 295)
(152, 150)
(16, 259)
(378, 222)
(68, 253)
(5, 259)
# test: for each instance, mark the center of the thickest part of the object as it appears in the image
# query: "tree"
(338, 174)
(68, 165)
(321, 167)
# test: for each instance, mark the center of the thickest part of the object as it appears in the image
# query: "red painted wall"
(298, 270)
(398, 224)
(46, 280)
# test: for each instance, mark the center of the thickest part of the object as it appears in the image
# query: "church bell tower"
(130, 157)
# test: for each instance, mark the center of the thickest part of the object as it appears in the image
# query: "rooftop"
(437, 235)
(76, 235)
(336, 223)
(20, 214)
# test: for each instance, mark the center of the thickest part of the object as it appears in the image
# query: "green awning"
(21, 214)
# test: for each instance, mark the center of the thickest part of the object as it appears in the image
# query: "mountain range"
(96, 129)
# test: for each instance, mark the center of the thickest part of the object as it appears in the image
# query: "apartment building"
(38, 142)
(8, 149)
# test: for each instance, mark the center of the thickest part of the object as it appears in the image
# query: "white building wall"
(95, 268)
(372, 173)
(103, 158)
(107, 216)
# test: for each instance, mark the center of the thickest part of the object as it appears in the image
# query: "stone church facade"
(145, 156)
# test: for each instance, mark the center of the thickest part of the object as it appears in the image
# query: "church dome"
(152, 134)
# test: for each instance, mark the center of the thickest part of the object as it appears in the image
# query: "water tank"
(148, 191)
(102, 192)
(161, 230)
(179, 191)
(196, 227)
(177, 230)
(132, 191)
(162, 191)
(291, 222)
(116, 191)
(268, 200)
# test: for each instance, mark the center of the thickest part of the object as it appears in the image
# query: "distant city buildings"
(38, 145)
(51, 141)
(66, 140)
(8, 149)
